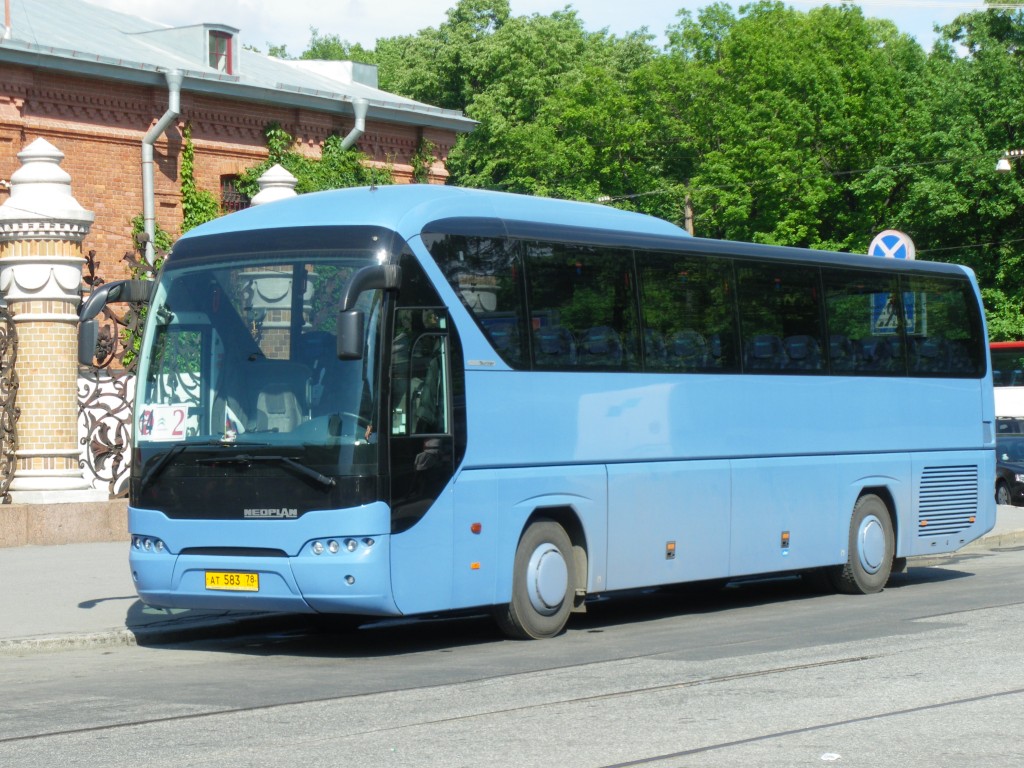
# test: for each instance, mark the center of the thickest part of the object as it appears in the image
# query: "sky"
(264, 22)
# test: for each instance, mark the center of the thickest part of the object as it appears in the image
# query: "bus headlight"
(338, 546)
(148, 544)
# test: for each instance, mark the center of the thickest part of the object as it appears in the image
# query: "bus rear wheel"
(542, 584)
(871, 548)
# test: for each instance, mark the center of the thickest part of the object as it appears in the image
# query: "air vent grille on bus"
(947, 499)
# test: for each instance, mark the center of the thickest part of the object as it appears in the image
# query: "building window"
(230, 198)
(220, 52)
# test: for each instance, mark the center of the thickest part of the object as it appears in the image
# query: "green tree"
(555, 113)
(439, 66)
(958, 209)
(332, 47)
(772, 120)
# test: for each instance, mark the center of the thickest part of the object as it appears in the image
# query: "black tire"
(1003, 494)
(543, 584)
(899, 565)
(871, 547)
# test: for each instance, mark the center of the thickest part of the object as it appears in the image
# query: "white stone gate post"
(41, 231)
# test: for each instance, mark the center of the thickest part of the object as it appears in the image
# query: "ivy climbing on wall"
(198, 206)
(422, 161)
(337, 168)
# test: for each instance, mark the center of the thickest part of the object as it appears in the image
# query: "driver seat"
(282, 401)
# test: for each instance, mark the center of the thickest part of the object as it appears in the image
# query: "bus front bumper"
(355, 581)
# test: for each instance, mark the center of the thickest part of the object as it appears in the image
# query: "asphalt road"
(927, 673)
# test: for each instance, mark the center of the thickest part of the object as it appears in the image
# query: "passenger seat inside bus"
(282, 401)
(802, 353)
(260, 395)
(764, 352)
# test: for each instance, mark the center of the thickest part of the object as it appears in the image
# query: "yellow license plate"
(233, 581)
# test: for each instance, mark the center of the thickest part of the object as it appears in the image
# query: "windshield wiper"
(161, 464)
(248, 459)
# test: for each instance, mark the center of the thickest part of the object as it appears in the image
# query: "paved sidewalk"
(81, 595)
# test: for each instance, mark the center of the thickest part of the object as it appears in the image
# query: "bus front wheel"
(542, 584)
(871, 549)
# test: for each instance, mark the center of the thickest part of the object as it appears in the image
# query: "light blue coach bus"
(414, 399)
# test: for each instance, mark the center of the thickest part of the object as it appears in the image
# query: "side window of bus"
(780, 318)
(943, 329)
(583, 307)
(486, 276)
(419, 373)
(865, 322)
(1008, 365)
(687, 311)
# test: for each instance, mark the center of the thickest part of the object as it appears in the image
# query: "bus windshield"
(240, 379)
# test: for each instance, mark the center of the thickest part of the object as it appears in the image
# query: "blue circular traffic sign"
(892, 244)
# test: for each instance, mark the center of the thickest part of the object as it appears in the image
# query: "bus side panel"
(581, 489)
(954, 500)
(890, 471)
(669, 522)
(421, 560)
(475, 561)
(784, 514)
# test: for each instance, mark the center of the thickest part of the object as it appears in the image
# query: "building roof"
(76, 37)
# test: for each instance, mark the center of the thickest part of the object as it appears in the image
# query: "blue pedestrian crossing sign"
(884, 318)
(892, 244)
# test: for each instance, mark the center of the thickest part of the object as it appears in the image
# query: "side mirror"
(350, 334)
(88, 326)
(88, 334)
(351, 323)
(122, 290)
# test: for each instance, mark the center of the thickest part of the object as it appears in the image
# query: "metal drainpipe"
(148, 206)
(359, 107)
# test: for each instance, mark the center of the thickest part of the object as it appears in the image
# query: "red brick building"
(94, 82)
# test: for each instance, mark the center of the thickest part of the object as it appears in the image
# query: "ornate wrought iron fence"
(9, 412)
(106, 390)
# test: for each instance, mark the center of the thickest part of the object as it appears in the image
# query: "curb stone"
(205, 629)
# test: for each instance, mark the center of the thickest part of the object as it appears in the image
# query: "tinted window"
(687, 312)
(708, 313)
(865, 322)
(780, 318)
(582, 307)
(1008, 366)
(485, 274)
(943, 327)
(419, 373)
